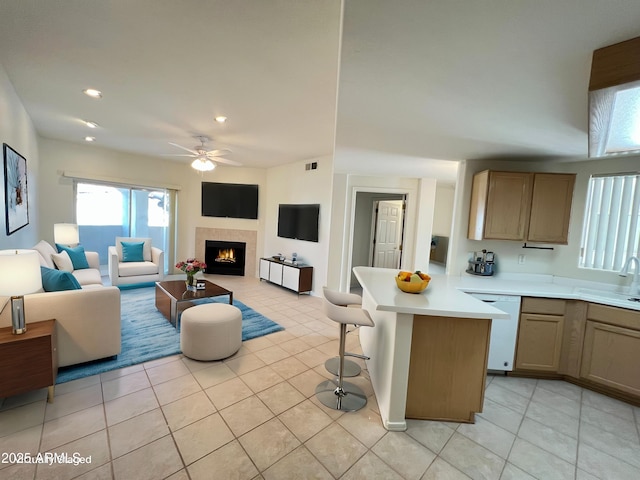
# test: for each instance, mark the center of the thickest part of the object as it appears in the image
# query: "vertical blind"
(611, 231)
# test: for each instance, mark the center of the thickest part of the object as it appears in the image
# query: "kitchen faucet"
(634, 288)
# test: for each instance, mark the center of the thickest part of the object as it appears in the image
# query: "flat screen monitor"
(299, 221)
(232, 200)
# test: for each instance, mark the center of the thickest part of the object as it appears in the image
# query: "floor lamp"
(19, 275)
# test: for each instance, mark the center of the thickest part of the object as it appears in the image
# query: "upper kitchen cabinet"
(521, 206)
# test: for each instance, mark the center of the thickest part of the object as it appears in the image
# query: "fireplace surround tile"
(250, 237)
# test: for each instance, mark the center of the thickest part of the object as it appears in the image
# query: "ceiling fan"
(203, 157)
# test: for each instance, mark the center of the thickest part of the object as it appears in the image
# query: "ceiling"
(417, 80)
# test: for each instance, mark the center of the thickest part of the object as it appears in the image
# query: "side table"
(28, 361)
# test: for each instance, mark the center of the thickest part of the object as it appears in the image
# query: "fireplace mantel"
(250, 237)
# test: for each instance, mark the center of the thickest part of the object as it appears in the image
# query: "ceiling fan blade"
(218, 153)
(184, 148)
(177, 155)
(227, 161)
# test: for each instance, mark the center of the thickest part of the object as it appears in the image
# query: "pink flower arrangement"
(191, 266)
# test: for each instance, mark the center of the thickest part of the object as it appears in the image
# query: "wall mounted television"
(299, 221)
(230, 200)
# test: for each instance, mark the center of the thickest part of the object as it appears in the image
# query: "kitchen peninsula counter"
(428, 351)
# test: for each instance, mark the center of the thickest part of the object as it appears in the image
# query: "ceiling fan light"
(203, 165)
(92, 92)
(221, 119)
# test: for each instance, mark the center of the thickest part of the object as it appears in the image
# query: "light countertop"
(441, 298)
(446, 294)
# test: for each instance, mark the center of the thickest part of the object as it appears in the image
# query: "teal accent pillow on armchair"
(132, 251)
(76, 254)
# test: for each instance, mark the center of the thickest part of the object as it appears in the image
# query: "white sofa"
(87, 320)
(128, 273)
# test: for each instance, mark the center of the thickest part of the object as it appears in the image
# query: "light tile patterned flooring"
(255, 416)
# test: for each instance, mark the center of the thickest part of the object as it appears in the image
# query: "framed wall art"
(15, 190)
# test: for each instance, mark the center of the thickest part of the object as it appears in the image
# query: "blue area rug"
(147, 335)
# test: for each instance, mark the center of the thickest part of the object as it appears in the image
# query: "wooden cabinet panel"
(611, 357)
(508, 205)
(447, 368)
(551, 208)
(521, 206)
(614, 316)
(28, 361)
(550, 306)
(539, 342)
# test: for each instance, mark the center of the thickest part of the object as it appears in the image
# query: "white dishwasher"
(502, 347)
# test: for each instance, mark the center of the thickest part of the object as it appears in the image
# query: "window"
(105, 211)
(611, 230)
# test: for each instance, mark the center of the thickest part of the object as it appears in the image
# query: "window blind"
(611, 231)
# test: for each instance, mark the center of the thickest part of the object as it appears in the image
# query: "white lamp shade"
(66, 233)
(19, 272)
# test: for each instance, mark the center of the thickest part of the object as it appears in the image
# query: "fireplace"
(225, 258)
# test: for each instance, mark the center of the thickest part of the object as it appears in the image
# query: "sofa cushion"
(57, 280)
(76, 254)
(130, 269)
(146, 249)
(132, 251)
(88, 276)
(45, 250)
(62, 261)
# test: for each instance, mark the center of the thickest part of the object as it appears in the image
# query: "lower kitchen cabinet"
(539, 342)
(611, 351)
(540, 334)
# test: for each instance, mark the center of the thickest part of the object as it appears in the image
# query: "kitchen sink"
(624, 297)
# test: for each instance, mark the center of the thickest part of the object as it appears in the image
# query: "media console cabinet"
(298, 278)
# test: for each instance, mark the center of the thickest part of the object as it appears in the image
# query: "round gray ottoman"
(212, 331)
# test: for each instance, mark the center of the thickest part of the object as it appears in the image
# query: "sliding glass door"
(106, 211)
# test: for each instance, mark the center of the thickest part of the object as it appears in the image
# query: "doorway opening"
(378, 232)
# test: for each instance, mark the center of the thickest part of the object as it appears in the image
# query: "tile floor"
(255, 416)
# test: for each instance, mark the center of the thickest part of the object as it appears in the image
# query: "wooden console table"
(28, 361)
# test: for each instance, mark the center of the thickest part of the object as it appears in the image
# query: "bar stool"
(338, 394)
(351, 368)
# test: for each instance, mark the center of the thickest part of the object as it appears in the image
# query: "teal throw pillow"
(76, 254)
(132, 251)
(58, 280)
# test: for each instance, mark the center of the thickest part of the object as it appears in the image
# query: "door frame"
(408, 254)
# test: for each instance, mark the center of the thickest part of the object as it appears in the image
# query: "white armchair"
(127, 267)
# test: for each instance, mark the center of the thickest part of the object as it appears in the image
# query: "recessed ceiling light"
(91, 124)
(93, 93)
(221, 119)
(90, 139)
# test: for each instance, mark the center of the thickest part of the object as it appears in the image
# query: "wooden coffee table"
(172, 297)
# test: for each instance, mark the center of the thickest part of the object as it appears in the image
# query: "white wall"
(95, 162)
(563, 259)
(293, 184)
(443, 210)
(419, 217)
(17, 131)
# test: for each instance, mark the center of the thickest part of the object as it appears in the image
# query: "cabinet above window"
(521, 206)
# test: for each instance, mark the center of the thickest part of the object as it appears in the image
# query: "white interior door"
(388, 234)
